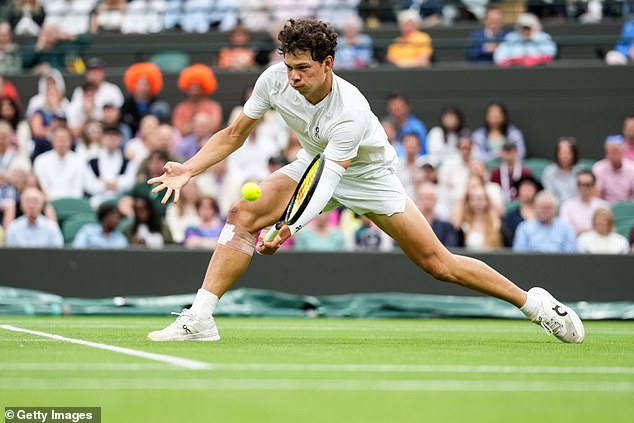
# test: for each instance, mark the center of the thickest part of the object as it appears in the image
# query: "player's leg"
(230, 259)
(417, 240)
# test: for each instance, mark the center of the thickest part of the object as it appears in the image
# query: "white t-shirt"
(60, 177)
(594, 243)
(342, 125)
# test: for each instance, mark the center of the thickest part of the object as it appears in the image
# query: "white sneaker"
(557, 319)
(187, 327)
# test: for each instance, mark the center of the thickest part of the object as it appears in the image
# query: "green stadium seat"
(67, 207)
(513, 205)
(492, 164)
(171, 61)
(537, 166)
(623, 217)
(73, 224)
(586, 164)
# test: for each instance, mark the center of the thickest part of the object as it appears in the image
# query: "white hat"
(528, 20)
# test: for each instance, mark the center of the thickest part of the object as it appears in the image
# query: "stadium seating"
(623, 217)
(74, 223)
(171, 61)
(537, 166)
(68, 207)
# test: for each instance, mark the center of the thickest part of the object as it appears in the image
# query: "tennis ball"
(251, 191)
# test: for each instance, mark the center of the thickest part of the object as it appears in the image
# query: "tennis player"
(332, 117)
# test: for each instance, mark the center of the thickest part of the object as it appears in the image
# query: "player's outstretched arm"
(216, 149)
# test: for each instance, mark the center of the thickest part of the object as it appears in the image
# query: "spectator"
(10, 57)
(47, 115)
(623, 53)
(628, 137)
(143, 17)
(51, 77)
(483, 43)
(151, 167)
(8, 194)
(148, 228)
(181, 215)
(20, 178)
(368, 237)
(546, 232)
(205, 234)
(7, 89)
(60, 171)
(110, 174)
(144, 81)
(426, 200)
(602, 239)
(250, 161)
(560, 177)
(496, 132)
(103, 234)
(54, 48)
(337, 12)
(198, 82)
(284, 10)
(354, 49)
(320, 235)
(578, 211)
(376, 12)
(201, 133)
(412, 49)
(88, 145)
(199, 15)
(527, 188)
(453, 175)
(238, 55)
(431, 11)
(269, 51)
(478, 220)
(26, 17)
(139, 148)
(405, 122)
(72, 15)
(442, 140)
(527, 45)
(106, 92)
(509, 172)
(81, 111)
(10, 112)
(108, 16)
(33, 230)
(111, 116)
(408, 170)
(615, 175)
(478, 175)
(255, 15)
(7, 151)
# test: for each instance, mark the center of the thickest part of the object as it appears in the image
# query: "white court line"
(176, 361)
(319, 368)
(473, 386)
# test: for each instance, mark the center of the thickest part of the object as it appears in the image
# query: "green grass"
(441, 370)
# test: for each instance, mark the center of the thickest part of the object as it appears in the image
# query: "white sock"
(531, 307)
(204, 304)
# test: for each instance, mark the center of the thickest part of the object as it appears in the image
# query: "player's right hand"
(172, 180)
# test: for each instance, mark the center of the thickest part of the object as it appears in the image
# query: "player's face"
(306, 75)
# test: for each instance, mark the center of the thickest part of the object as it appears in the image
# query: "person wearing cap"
(198, 82)
(527, 188)
(105, 233)
(510, 171)
(144, 82)
(105, 92)
(110, 174)
(528, 45)
(615, 174)
(578, 211)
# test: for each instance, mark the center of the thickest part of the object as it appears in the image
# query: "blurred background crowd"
(74, 163)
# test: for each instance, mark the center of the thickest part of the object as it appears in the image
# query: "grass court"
(323, 370)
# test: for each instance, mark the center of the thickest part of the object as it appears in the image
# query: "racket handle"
(272, 233)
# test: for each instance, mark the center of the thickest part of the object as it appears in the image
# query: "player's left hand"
(269, 248)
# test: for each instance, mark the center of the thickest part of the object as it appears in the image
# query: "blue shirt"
(354, 56)
(412, 126)
(43, 233)
(531, 235)
(475, 52)
(92, 236)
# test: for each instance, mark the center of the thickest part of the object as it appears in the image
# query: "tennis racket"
(302, 195)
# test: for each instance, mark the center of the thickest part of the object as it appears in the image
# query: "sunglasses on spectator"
(584, 184)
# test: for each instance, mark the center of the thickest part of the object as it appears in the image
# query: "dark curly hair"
(317, 37)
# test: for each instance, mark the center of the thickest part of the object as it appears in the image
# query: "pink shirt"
(628, 151)
(579, 214)
(615, 184)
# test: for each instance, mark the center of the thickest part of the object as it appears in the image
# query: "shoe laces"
(183, 316)
(551, 325)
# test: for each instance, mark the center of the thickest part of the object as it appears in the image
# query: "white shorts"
(379, 195)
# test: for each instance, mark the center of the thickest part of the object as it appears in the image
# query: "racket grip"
(272, 233)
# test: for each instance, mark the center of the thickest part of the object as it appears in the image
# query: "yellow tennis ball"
(251, 191)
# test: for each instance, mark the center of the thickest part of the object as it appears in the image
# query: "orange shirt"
(411, 51)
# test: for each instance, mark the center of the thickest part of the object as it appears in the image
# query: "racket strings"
(304, 188)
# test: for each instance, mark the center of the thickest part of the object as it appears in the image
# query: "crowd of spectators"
(55, 33)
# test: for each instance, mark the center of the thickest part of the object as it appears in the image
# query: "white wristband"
(329, 180)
